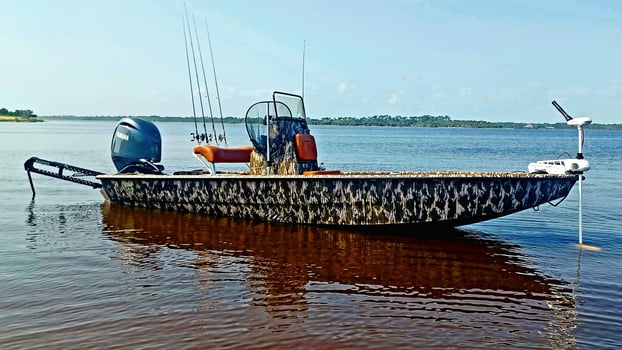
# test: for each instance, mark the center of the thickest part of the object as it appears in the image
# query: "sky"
(468, 59)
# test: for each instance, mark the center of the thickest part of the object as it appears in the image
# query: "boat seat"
(210, 155)
(306, 149)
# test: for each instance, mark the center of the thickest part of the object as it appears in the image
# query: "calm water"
(77, 273)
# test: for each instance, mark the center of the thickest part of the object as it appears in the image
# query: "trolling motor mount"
(576, 165)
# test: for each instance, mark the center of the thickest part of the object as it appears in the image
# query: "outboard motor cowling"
(136, 146)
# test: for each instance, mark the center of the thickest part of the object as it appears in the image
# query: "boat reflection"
(294, 258)
(460, 280)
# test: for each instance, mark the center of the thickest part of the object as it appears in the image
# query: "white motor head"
(579, 121)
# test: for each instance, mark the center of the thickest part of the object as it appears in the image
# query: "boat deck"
(344, 175)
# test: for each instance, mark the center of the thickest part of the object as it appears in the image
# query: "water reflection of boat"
(460, 280)
(455, 268)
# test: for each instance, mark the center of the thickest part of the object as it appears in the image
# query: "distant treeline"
(425, 121)
(24, 113)
(18, 115)
(153, 118)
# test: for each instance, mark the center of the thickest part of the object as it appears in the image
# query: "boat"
(285, 184)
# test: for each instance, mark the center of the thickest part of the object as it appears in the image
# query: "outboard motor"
(136, 147)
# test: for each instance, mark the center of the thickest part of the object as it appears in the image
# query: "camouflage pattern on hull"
(450, 198)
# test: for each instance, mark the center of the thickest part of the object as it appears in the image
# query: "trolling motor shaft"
(578, 122)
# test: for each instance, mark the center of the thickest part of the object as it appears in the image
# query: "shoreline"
(363, 121)
(9, 119)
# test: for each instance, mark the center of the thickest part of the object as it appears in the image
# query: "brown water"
(186, 281)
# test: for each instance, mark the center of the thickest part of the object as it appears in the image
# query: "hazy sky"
(497, 60)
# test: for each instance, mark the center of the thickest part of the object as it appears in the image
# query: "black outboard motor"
(136, 147)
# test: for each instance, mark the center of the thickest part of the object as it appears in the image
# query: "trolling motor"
(576, 165)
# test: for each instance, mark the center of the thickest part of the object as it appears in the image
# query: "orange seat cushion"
(321, 172)
(215, 154)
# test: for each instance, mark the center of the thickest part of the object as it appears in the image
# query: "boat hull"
(348, 199)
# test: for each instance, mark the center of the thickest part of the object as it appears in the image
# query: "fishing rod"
(209, 102)
(304, 46)
(194, 111)
(196, 72)
(222, 123)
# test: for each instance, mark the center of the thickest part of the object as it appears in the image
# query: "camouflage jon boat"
(285, 183)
